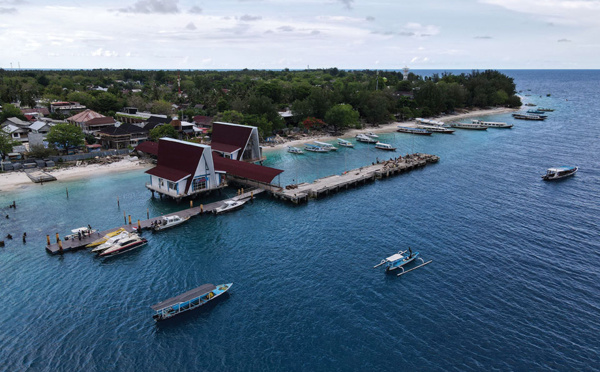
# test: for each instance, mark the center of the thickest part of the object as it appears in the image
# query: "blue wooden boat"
(188, 301)
(397, 260)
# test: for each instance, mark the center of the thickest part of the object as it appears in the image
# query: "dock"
(76, 244)
(301, 193)
(38, 176)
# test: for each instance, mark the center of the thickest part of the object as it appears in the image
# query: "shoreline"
(12, 181)
(386, 128)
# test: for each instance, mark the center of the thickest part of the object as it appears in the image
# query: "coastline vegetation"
(327, 99)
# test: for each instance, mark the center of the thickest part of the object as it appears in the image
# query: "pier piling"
(57, 238)
(48, 239)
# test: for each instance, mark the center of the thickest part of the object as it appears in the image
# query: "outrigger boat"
(420, 131)
(559, 172)
(295, 150)
(105, 238)
(229, 205)
(84, 231)
(365, 139)
(188, 301)
(537, 112)
(384, 146)
(168, 221)
(344, 143)
(492, 124)
(314, 148)
(398, 260)
(326, 146)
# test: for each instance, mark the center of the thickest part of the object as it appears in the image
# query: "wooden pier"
(38, 176)
(75, 244)
(301, 193)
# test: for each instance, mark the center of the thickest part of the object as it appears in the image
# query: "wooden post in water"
(139, 226)
(130, 219)
(48, 239)
(118, 204)
(67, 192)
(191, 204)
(60, 248)
(147, 213)
(57, 238)
(124, 217)
(252, 195)
(201, 208)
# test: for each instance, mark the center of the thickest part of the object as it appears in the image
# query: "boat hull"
(558, 176)
(124, 249)
(194, 303)
(398, 264)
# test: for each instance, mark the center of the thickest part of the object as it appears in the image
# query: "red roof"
(30, 117)
(230, 134)
(245, 170)
(100, 121)
(200, 119)
(223, 147)
(177, 159)
(148, 147)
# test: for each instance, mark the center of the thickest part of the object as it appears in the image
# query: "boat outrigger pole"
(414, 268)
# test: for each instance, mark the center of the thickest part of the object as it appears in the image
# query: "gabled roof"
(85, 116)
(18, 122)
(246, 170)
(224, 147)
(158, 120)
(38, 125)
(177, 159)
(230, 134)
(201, 119)
(122, 130)
(42, 110)
(100, 121)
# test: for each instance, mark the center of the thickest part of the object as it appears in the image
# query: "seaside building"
(122, 136)
(66, 108)
(91, 122)
(237, 142)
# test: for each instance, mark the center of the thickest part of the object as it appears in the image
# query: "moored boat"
(111, 241)
(188, 301)
(229, 205)
(397, 260)
(537, 112)
(529, 117)
(314, 148)
(430, 122)
(105, 238)
(344, 143)
(371, 134)
(125, 245)
(559, 172)
(411, 130)
(80, 231)
(295, 150)
(492, 124)
(326, 146)
(168, 221)
(384, 146)
(545, 109)
(365, 139)
(435, 128)
(470, 126)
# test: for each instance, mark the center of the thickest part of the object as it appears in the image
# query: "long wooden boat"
(470, 126)
(295, 150)
(420, 131)
(313, 148)
(326, 146)
(188, 301)
(384, 146)
(435, 128)
(365, 139)
(529, 117)
(492, 124)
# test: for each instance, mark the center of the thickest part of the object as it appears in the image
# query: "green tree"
(65, 136)
(161, 131)
(161, 107)
(230, 116)
(6, 144)
(342, 116)
(10, 111)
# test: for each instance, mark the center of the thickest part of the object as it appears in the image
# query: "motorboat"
(124, 245)
(384, 146)
(111, 241)
(188, 301)
(430, 122)
(545, 109)
(537, 112)
(492, 124)
(397, 260)
(83, 231)
(471, 126)
(344, 143)
(529, 117)
(314, 148)
(371, 134)
(559, 172)
(105, 238)
(295, 150)
(435, 128)
(420, 131)
(365, 139)
(326, 146)
(229, 205)
(168, 221)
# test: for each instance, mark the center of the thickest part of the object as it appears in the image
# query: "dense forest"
(323, 99)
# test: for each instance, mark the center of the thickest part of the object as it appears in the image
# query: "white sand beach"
(14, 180)
(387, 128)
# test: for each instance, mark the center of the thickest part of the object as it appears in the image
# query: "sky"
(299, 34)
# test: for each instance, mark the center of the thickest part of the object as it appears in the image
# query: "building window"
(161, 182)
(172, 185)
(199, 183)
(16, 135)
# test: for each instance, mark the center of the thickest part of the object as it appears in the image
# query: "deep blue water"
(514, 283)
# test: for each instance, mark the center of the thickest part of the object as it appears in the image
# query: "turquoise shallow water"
(514, 283)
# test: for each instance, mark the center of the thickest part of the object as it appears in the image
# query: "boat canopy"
(560, 169)
(394, 257)
(196, 292)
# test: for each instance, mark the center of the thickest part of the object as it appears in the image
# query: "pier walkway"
(75, 244)
(324, 186)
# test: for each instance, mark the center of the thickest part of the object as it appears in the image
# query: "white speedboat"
(371, 134)
(326, 146)
(110, 242)
(83, 231)
(492, 124)
(559, 172)
(384, 146)
(125, 245)
(314, 148)
(344, 143)
(435, 128)
(229, 205)
(295, 150)
(168, 221)
(365, 139)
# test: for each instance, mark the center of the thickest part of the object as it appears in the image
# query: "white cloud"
(190, 26)
(555, 11)
(195, 10)
(249, 18)
(104, 53)
(8, 10)
(152, 6)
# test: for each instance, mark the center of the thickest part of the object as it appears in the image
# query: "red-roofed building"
(91, 122)
(237, 142)
(183, 169)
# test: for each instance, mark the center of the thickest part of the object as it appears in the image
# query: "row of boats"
(318, 146)
(427, 126)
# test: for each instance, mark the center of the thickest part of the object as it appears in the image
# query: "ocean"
(514, 283)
